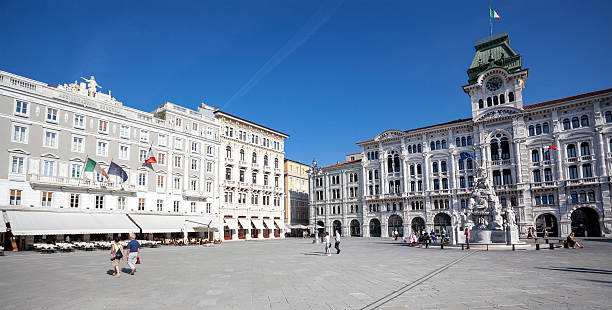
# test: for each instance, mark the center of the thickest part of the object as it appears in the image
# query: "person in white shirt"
(327, 244)
(337, 244)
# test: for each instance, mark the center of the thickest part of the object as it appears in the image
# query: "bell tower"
(496, 77)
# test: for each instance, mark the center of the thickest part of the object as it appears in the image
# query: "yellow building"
(296, 193)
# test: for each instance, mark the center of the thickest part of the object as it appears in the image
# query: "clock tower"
(496, 78)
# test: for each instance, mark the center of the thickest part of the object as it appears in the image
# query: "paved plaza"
(294, 274)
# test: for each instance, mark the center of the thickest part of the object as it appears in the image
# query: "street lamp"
(316, 228)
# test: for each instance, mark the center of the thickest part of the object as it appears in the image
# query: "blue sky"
(328, 73)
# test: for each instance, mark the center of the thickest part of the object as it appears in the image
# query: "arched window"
(419, 148)
(436, 204)
(531, 130)
(443, 144)
(505, 148)
(457, 141)
(535, 156)
(480, 104)
(396, 162)
(276, 163)
(266, 160)
(545, 127)
(461, 164)
(432, 145)
(463, 141)
(410, 149)
(489, 102)
(469, 164)
(573, 172)
(537, 178)
(575, 122)
(571, 151)
(608, 117)
(566, 124)
(587, 171)
(434, 167)
(228, 152)
(469, 140)
(502, 99)
(510, 97)
(438, 145)
(241, 154)
(546, 155)
(443, 166)
(411, 169)
(495, 102)
(538, 129)
(584, 121)
(389, 163)
(584, 149)
(419, 171)
(591, 195)
(254, 158)
(582, 195)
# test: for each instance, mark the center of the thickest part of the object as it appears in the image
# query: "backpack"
(117, 253)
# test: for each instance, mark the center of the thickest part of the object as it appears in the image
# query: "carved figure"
(510, 217)
(92, 85)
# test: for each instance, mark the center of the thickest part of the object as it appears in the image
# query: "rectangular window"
(176, 206)
(20, 134)
(47, 197)
(177, 183)
(160, 182)
(21, 108)
(144, 135)
(208, 187)
(160, 205)
(74, 200)
(142, 178)
(209, 150)
(194, 164)
(208, 207)
(193, 184)
(161, 140)
(102, 126)
(17, 164)
(141, 204)
(50, 139)
(124, 132)
(99, 202)
(209, 167)
(102, 148)
(178, 143)
(48, 168)
(142, 155)
(178, 161)
(161, 158)
(75, 171)
(193, 207)
(178, 122)
(573, 172)
(194, 126)
(194, 147)
(124, 152)
(77, 144)
(15, 197)
(120, 203)
(79, 121)
(52, 115)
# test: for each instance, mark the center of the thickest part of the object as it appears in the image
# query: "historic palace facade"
(61, 141)
(550, 161)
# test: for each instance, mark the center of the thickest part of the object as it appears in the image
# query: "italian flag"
(92, 165)
(493, 14)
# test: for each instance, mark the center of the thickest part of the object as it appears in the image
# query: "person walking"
(443, 236)
(467, 238)
(116, 256)
(327, 242)
(133, 249)
(337, 243)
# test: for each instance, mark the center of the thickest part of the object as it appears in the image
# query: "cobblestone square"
(294, 274)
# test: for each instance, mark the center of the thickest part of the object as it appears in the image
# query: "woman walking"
(116, 255)
(327, 244)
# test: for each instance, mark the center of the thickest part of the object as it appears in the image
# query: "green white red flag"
(493, 14)
(92, 165)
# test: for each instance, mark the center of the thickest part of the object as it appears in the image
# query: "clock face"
(494, 83)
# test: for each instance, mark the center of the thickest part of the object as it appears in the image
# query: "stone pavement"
(294, 274)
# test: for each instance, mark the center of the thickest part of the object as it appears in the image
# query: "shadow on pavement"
(598, 240)
(576, 269)
(110, 272)
(315, 253)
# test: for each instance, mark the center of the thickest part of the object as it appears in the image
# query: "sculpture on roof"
(92, 86)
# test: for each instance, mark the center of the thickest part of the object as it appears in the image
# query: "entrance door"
(396, 224)
(355, 228)
(549, 222)
(585, 223)
(337, 226)
(375, 228)
(417, 224)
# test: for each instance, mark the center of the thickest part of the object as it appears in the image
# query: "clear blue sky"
(327, 73)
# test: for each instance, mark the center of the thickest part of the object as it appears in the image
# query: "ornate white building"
(550, 161)
(252, 158)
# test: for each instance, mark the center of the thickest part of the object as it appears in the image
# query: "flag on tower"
(92, 165)
(493, 14)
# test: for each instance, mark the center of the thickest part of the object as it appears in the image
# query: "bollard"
(513, 249)
(565, 244)
(537, 246)
(551, 246)
(462, 247)
(442, 246)
(546, 241)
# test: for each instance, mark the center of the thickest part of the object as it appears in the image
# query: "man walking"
(467, 238)
(133, 249)
(337, 245)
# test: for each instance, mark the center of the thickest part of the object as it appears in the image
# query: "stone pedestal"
(480, 236)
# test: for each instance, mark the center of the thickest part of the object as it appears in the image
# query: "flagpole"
(490, 22)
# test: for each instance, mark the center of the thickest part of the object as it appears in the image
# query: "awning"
(27, 223)
(258, 223)
(199, 224)
(150, 223)
(269, 223)
(298, 226)
(246, 223)
(280, 224)
(231, 223)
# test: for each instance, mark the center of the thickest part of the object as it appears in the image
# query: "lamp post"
(315, 169)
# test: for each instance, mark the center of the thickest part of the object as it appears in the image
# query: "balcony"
(194, 194)
(267, 168)
(583, 181)
(278, 171)
(548, 184)
(392, 195)
(462, 191)
(255, 166)
(256, 187)
(229, 183)
(268, 188)
(243, 163)
(501, 162)
(586, 158)
(506, 187)
(66, 183)
(440, 192)
(229, 161)
(244, 185)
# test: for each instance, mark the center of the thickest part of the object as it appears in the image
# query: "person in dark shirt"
(133, 249)
(571, 242)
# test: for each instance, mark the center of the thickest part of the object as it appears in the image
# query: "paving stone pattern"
(294, 274)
